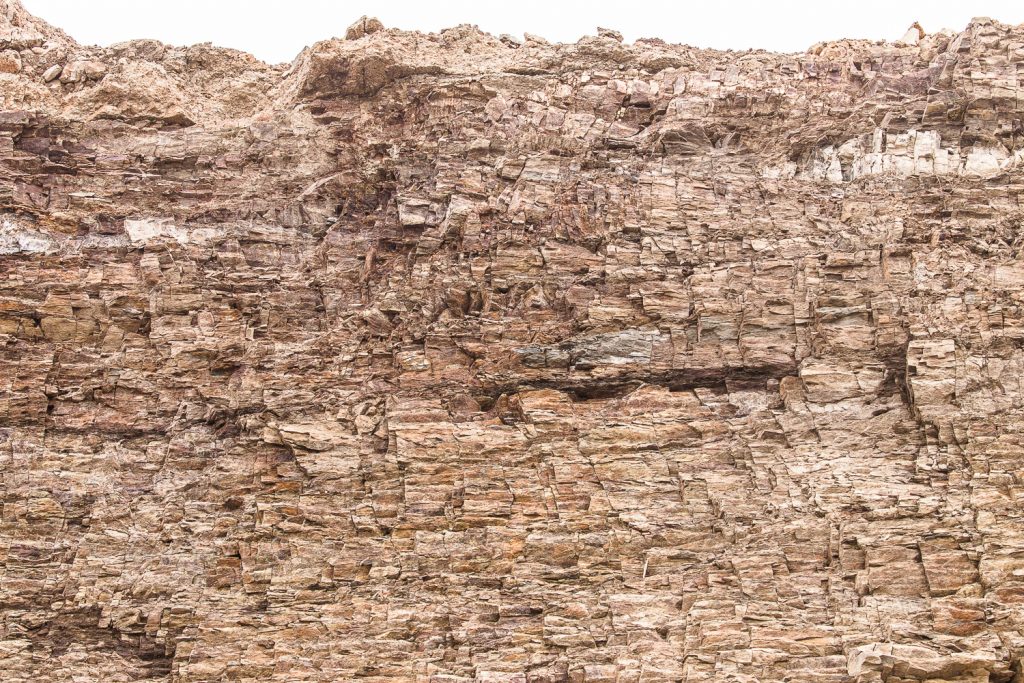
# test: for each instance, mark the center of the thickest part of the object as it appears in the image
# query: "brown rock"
(450, 358)
(363, 26)
(10, 62)
(82, 70)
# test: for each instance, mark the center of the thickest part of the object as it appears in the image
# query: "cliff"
(453, 358)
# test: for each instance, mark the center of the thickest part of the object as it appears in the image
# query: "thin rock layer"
(459, 358)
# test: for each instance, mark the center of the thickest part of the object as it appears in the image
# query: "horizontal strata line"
(674, 380)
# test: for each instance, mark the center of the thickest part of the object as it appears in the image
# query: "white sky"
(276, 30)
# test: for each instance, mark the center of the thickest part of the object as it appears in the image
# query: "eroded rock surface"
(452, 357)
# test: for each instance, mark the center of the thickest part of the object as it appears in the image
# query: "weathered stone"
(609, 33)
(52, 72)
(363, 26)
(82, 70)
(454, 358)
(10, 62)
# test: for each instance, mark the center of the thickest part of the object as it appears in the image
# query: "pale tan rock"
(82, 70)
(914, 34)
(52, 72)
(609, 33)
(137, 91)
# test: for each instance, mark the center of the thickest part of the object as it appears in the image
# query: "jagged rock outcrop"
(451, 357)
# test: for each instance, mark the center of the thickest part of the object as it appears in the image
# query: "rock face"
(452, 357)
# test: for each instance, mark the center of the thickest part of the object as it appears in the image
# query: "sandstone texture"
(452, 357)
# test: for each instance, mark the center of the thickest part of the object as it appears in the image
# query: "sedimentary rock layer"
(451, 357)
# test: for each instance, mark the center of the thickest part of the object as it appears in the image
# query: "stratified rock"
(447, 357)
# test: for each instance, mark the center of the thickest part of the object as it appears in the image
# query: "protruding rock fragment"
(52, 72)
(20, 38)
(82, 70)
(913, 35)
(609, 33)
(363, 26)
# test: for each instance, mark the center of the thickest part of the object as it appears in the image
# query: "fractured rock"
(450, 357)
